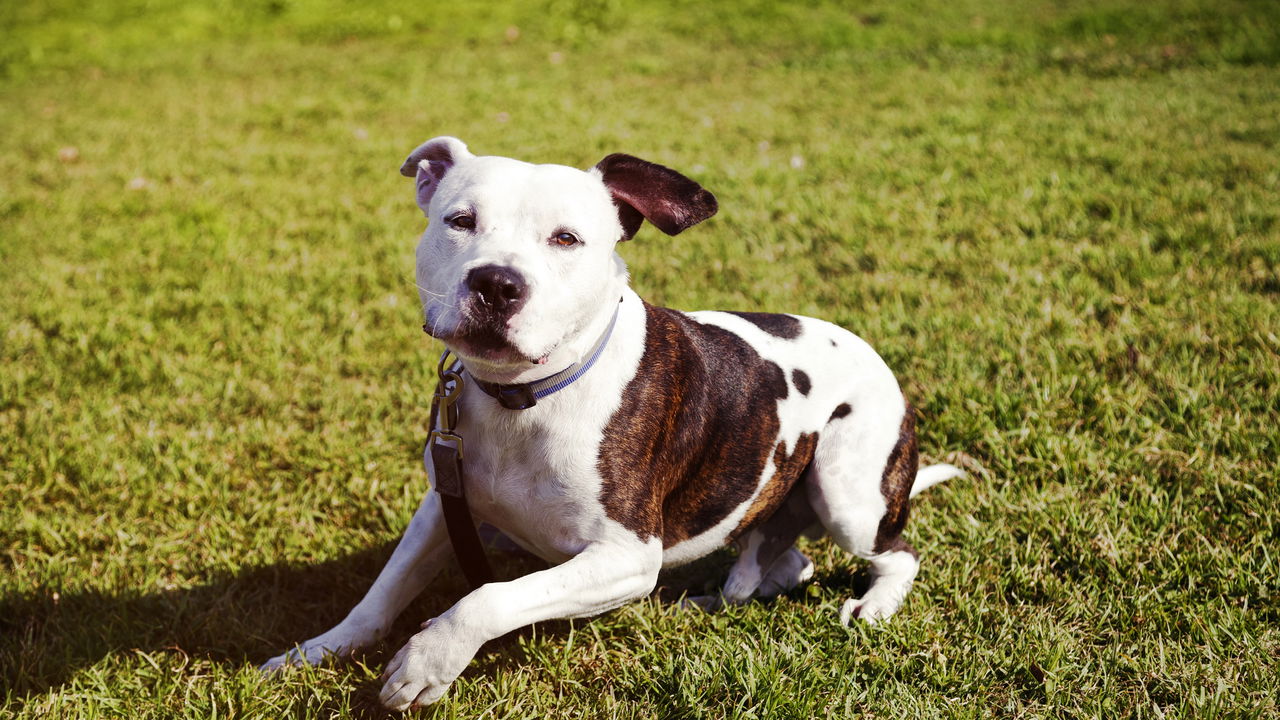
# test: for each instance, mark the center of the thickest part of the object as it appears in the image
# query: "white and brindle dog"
(660, 437)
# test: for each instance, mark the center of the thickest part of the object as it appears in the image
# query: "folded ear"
(429, 162)
(646, 191)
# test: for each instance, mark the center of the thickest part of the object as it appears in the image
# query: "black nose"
(498, 289)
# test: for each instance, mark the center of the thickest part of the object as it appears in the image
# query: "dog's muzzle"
(491, 296)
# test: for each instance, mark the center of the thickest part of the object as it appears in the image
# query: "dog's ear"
(428, 163)
(647, 191)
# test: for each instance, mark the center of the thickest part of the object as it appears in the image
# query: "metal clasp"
(448, 390)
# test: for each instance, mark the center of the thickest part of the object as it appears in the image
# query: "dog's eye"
(461, 221)
(566, 239)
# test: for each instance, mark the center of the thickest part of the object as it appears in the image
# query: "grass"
(1056, 221)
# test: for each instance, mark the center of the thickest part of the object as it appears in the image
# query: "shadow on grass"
(234, 617)
(247, 617)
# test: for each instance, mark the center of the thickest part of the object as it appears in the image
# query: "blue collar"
(522, 396)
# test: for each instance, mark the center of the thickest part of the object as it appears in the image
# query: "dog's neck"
(574, 351)
(522, 396)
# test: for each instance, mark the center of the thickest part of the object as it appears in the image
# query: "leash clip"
(448, 390)
(444, 421)
(444, 454)
(433, 440)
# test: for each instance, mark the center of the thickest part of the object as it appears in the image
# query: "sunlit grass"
(1058, 223)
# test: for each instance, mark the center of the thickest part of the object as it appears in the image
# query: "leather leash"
(444, 446)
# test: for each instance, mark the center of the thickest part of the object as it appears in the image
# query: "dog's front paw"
(425, 667)
(872, 608)
(334, 644)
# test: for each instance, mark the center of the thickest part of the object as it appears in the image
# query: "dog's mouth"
(485, 341)
(492, 347)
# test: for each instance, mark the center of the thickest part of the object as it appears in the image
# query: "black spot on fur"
(841, 410)
(801, 380)
(783, 326)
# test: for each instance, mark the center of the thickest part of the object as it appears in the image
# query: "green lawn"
(1058, 221)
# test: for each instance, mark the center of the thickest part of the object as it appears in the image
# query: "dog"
(613, 438)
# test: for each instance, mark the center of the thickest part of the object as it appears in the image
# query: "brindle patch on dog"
(895, 483)
(694, 431)
(776, 324)
(787, 470)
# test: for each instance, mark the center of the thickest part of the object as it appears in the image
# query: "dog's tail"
(931, 475)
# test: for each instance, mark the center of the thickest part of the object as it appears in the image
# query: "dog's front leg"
(417, 558)
(602, 577)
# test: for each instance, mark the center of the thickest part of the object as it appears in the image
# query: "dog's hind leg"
(860, 485)
(893, 572)
(767, 563)
(787, 572)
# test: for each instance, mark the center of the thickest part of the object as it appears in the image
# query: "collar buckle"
(515, 397)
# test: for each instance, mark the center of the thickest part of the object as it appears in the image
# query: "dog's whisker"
(426, 291)
(435, 326)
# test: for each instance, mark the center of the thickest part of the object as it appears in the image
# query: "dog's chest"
(527, 478)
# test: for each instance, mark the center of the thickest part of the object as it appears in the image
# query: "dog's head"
(517, 263)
